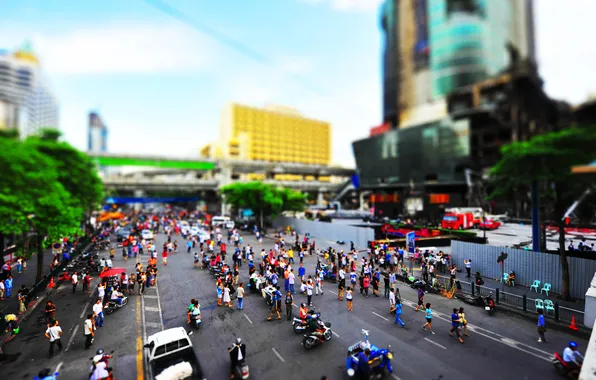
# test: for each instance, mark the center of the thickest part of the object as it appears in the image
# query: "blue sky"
(160, 85)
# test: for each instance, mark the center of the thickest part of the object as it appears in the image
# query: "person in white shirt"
(99, 371)
(109, 263)
(53, 333)
(101, 291)
(291, 281)
(98, 312)
(117, 296)
(392, 300)
(89, 331)
(75, 281)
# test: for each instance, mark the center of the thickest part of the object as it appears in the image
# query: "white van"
(220, 221)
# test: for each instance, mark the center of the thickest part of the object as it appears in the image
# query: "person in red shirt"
(164, 256)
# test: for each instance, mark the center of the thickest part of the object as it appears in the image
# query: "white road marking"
(58, 367)
(395, 376)
(435, 343)
(150, 308)
(334, 333)
(143, 319)
(159, 305)
(150, 296)
(331, 291)
(278, 355)
(154, 325)
(248, 319)
(380, 316)
(499, 338)
(74, 333)
(84, 310)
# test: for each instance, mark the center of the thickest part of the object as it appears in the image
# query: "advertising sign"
(411, 241)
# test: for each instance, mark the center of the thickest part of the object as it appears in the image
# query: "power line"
(235, 44)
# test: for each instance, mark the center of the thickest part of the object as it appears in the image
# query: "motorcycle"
(490, 304)
(380, 358)
(196, 321)
(113, 305)
(561, 367)
(241, 370)
(328, 274)
(311, 340)
(300, 326)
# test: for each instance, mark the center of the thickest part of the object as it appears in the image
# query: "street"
(498, 347)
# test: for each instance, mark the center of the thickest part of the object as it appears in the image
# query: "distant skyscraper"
(26, 101)
(98, 134)
(433, 47)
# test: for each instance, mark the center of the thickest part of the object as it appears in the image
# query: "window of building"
(465, 6)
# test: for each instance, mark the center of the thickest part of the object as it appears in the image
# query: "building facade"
(97, 139)
(26, 100)
(433, 47)
(274, 134)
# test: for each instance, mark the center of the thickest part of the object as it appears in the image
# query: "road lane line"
(154, 325)
(331, 291)
(150, 308)
(84, 310)
(435, 343)
(278, 355)
(141, 337)
(159, 305)
(248, 319)
(58, 367)
(508, 342)
(395, 376)
(74, 333)
(380, 316)
(150, 296)
(334, 333)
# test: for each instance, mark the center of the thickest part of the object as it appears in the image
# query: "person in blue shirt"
(541, 327)
(398, 312)
(275, 304)
(455, 323)
(363, 370)
(573, 359)
(301, 272)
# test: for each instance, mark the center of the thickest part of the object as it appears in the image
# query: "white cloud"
(348, 5)
(124, 48)
(566, 58)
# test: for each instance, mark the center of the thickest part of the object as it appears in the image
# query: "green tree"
(547, 160)
(76, 171)
(263, 199)
(33, 200)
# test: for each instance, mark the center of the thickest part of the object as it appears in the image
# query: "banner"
(411, 241)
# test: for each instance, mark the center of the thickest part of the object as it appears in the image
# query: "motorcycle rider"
(363, 370)
(303, 312)
(45, 374)
(573, 359)
(195, 311)
(100, 369)
(237, 354)
(117, 296)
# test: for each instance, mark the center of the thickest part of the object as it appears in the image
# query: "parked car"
(123, 233)
(489, 224)
(147, 234)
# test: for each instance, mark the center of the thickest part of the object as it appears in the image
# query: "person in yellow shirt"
(291, 256)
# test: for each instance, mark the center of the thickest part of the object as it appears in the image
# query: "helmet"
(302, 304)
(238, 341)
(572, 344)
(100, 351)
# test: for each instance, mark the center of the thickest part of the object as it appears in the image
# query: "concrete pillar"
(138, 194)
(224, 178)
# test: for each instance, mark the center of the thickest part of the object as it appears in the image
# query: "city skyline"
(147, 73)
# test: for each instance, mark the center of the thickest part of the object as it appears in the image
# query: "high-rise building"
(433, 47)
(26, 101)
(97, 134)
(275, 134)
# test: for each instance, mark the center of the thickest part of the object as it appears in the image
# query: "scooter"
(561, 367)
(311, 340)
(196, 321)
(490, 304)
(299, 326)
(241, 370)
(112, 305)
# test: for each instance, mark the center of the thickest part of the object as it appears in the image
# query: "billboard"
(434, 151)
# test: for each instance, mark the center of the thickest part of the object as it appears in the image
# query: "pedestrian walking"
(392, 301)
(98, 313)
(468, 264)
(541, 327)
(387, 285)
(227, 300)
(240, 296)
(309, 288)
(429, 318)
(455, 325)
(463, 320)
(53, 333)
(75, 281)
(20, 265)
(289, 302)
(349, 298)
(420, 299)
(89, 331)
(101, 291)
(398, 313)
(21, 298)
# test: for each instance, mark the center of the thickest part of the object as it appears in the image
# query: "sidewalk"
(27, 278)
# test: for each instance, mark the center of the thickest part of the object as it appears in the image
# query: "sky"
(160, 84)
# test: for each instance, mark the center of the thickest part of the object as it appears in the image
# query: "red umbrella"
(112, 272)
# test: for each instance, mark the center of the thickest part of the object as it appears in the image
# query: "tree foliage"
(263, 199)
(76, 171)
(546, 160)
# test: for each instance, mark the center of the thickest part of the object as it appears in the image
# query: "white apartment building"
(26, 101)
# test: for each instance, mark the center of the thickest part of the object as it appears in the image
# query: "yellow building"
(275, 134)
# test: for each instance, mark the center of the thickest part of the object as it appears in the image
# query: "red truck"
(459, 221)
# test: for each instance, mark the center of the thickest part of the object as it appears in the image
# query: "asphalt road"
(499, 347)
